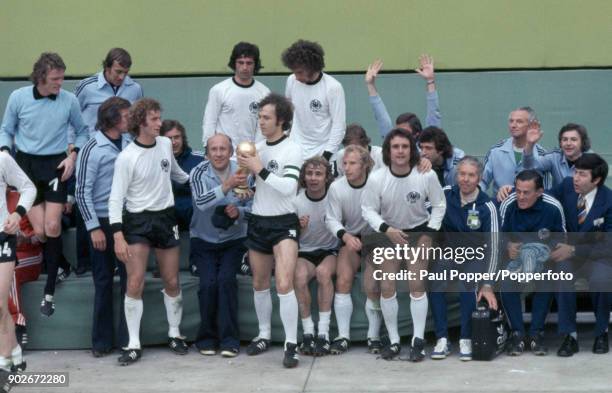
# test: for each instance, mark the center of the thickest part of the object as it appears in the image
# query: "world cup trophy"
(245, 148)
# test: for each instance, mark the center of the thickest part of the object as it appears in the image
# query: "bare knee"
(301, 280)
(387, 290)
(284, 286)
(344, 283)
(323, 276)
(53, 228)
(171, 286)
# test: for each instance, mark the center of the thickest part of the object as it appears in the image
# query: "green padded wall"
(475, 105)
(195, 36)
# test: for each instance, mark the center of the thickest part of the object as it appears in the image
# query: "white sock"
(133, 314)
(372, 310)
(17, 355)
(174, 313)
(5, 363)
(263, 309)
(324, 318)
(289, 315)
(418, 311)
(49, 298)
(390, 309)
(308, 325)
(343, 307)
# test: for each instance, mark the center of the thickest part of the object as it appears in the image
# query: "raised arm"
(378, 106)
(426, 70)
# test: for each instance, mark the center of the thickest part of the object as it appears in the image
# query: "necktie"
(581, 207)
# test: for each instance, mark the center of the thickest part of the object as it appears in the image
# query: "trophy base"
(241, 190)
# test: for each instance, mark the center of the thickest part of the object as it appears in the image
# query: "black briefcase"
(489, 333)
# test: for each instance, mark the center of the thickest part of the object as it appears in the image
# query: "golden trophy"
(245, 148)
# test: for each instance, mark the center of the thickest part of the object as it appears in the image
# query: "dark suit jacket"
(590, 238)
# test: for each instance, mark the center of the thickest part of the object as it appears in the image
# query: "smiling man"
(232, 105)
(573, 141)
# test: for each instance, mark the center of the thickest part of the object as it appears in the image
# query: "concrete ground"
(356, 371)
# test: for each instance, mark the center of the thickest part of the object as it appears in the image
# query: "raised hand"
(534, 133)
(372, 72)
(426, 67)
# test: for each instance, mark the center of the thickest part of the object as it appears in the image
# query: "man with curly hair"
(37, 119)
(232, 108)
(142, 180)
(320, 110)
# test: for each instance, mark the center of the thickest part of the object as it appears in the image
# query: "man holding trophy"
(273, 230)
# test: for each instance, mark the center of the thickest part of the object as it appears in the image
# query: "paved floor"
(356, 371)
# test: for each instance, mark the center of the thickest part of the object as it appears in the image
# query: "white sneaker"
(441, 349)
(465, 349)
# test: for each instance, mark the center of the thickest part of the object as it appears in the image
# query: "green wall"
(195, 36)
(475, 105)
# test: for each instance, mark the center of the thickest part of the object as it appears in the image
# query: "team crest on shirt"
(413, 197)
(165, 164)
(544, 234)
(253, 107)
(315, 105)
(272, 166)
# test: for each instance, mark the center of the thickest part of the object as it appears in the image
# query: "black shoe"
(80, 270)
(62, 275)
(569, 347)
(178, 345)
(322, 346)
(374, 346)
(291, 358)
(100, 353)
(600, 346)
(47, 308)
(257, 346)
(21, 335)
(129, 356)
(339, 346)
(390, 351)
(536, 345)
(307, 346)
(417, 350)
(19, 368)
(516, 346)
(5, 385)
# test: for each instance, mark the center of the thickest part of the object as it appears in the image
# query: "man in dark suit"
(587, 204)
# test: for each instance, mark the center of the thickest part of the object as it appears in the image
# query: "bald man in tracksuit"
(528, 215)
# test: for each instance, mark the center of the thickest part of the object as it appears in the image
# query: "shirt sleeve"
(76, 121)
(176, 172)
(435, 194)
(337, 109)
(204, 196)
(10, 121)
(333, 213)
(383, 120)
(287, 183)
(434, 116)
(86, 175)
(211, 114)
(370, 204)
(121, 181)
(17, 178)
